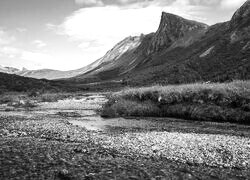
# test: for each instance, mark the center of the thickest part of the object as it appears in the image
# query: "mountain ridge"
(171, 29)
(180, 51)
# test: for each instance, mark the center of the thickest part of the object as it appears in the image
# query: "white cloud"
(39, 43)
(5, 38)
(98, 29)
(21, 30)
(232, 4)
(38, 58)
(9, 52)
(90, 2)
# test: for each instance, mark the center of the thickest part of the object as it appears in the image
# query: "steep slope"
(172, 29)
(134, 52)
(180, 51)
(221, 54)
(119, 60)
(109, 60)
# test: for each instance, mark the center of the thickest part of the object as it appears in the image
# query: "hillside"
(51, 74)
(183, 51)
(221, 54)
(182, 33)
(8, 70)
(180, 51)
(12, 82)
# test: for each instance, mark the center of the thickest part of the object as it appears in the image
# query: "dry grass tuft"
(215, 101)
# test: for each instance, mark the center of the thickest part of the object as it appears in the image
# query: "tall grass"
(196, 101)
(30, 100)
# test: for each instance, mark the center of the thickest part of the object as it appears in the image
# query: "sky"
(70, 34)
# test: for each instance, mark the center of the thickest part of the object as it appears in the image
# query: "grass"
(213, 101)
(30, 100)
(53, 97)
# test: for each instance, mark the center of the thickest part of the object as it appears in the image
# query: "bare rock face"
(171, 29)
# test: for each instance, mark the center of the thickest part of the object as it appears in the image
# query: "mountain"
(173, 32)
(180, 51)
(106, 62)
(183, 51)
(119, 60)
(51, 74)
(123, 57)
(12, 82)
(8, 70)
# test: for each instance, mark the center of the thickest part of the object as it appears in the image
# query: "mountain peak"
(172, 28)
(241, 17)
(24, 69)
(169, 17)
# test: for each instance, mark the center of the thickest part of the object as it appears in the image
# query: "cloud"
(232, 4)
(97, 29)
(5, 38)
(39, 43)
(144, 3)
(89, 2)
(226, 4)
(21, 30)
(9, 52)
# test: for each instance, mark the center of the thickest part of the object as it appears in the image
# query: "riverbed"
(69, 139)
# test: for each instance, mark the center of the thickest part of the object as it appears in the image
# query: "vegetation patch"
(228, 102)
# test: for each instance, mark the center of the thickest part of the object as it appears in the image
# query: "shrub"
(4, 99)
(220, 102)
(22, 104)
(52, 97)
(130, 108)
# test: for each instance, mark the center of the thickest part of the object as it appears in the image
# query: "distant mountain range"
(8, 70)
(180, 51)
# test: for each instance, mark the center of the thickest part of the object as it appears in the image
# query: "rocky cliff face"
(171, 29)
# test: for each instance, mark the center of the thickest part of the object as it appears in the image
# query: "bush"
(52, 97)
(22, 104)
(130, 108)
(220, 102)
(4, 99)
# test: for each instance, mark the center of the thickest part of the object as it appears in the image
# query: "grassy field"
(30, 100)
(225, 102)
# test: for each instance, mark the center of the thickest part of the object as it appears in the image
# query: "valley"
(67, 139)
(171, 104)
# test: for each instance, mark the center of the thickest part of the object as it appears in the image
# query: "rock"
(4, 132)
(68, 114)
(64, 175)
(171, 29)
